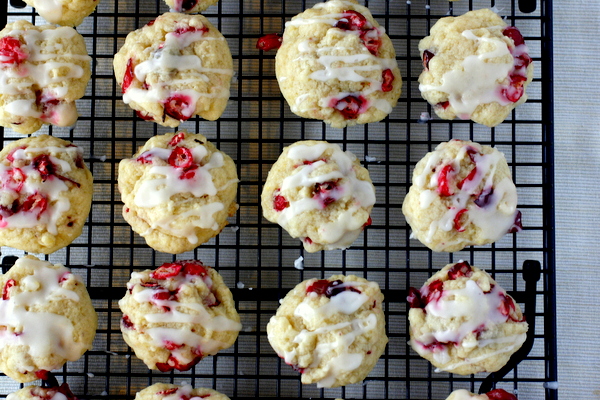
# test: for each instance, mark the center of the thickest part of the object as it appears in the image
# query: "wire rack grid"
(255, 258)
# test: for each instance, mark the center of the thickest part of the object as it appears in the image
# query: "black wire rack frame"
(256, 258)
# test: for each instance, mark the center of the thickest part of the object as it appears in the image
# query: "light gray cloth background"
(577, 140)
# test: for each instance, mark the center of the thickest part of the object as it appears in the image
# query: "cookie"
(190, 6)
(178, 191)
(463, 322)
(320, 194)
(160, 391)
(62, 392)
(45, 194)
(43, 70)
(175, 67)
(462, 194)
(177, 314)
(337, 64)
(64, 12)
(496, 394)
(46, 319)
(475, 67)
(332, 330)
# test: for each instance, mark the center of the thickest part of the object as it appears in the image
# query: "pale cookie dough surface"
(178, 191)
(46, 316)
(64, 12)
(175, 67)
(476, 67)
(320, 194)
(332, 330)
(43, 70)
(462, 194)
(178, 314)
(190, 6)
(496, 394)
(337, 64)
(463, 322)
(165, 391)
(63, 392)
(45, 194)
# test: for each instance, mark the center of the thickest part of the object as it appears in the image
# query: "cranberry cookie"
(178, 191)
(178, 314)
(45, 194)
(175, 67)
(462, 194)
(476, 67)
(320, 194)
(160, 391)
(62, 392)
(496, 394)
(46, 319)
(463, 322)
(332, 330)
(337, 64)
(43, 70)
(64, 12)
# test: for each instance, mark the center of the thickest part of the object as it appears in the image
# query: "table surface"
(577, 149)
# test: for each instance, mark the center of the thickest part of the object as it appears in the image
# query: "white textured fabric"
(577, 134)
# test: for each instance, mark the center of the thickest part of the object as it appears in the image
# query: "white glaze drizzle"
(494, 219)
(153, 191)
(480, 81)
(346, 302)
(169, 60)
(341, 232)
(50, 10)
(195, 313)
(42, 333)
(183, 392)
(39, 70)
(52, 189)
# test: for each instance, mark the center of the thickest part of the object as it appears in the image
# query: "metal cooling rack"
(256, 258)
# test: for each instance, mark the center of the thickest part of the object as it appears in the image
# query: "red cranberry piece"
(167, 270)
(169, 345)
(522, 61)
(279, 202)
(42, 374)
(457, 217)
(194, 267)
(414, 298)
(268, 42)
(126, 322)
(128, 77)
(468, 178)
(150, 23)
(444, 104)
(434, 291)
(517, 226)
(176, 139)
(211, 300)
(174, 363)
(187, 5)
(35, 202)
(149, 284)
(371, 40)
(44, 166)
(460, 269)
(307, 240)
(388, 77)
(165, 295)
(513, 93)
(164, 367)
(329, 288)
(10, 283)
(436, 346)
(64, 389)
(187, 29)
(319, 287)
(297, 368)
(11, 155)
(514, 34)
(471, 152)
(350, 106)
(443, 181)
(144, 158)
(16, 180)
(174, 104)
(484, 197)
(427, 56)
(11, 51)
(167, 391)
(322, 190)
(352, 21)
(500, 394)
(507, 307)
(189, 173)
(181, 157)
(145, 117)
(369, 222)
